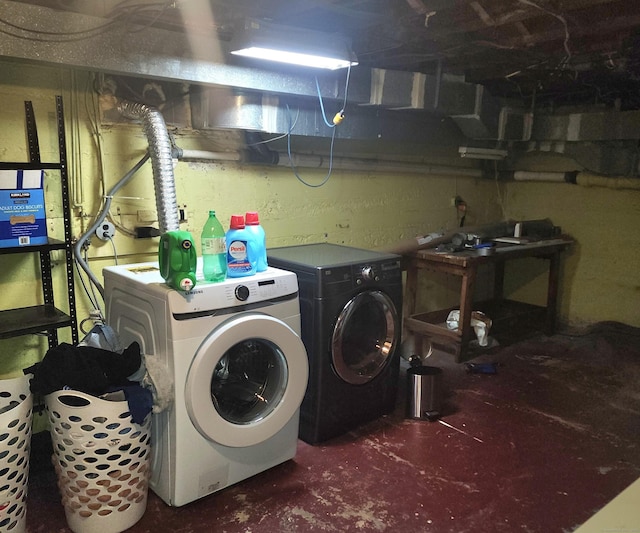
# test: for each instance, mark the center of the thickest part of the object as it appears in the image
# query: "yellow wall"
(365, 210)
(600, 274)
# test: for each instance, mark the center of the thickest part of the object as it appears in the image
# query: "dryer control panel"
(368, 273)
(377, 272)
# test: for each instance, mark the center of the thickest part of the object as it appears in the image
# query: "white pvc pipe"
(525, 175)
(581, 178)
(210, 156)
(592, 180)
(339, 163)
(364, 165)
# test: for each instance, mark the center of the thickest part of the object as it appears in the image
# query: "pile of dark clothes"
(95, 371)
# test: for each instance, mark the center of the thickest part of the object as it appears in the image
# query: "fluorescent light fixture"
(482, 153)
(296, 46)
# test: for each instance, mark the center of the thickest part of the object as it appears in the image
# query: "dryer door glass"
(364, 337)
(249, 381)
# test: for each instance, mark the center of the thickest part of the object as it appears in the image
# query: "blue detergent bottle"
(242, 249)
(252, 225)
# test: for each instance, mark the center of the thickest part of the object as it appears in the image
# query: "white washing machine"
(239, 371)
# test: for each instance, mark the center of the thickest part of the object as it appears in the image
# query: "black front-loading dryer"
(350, 309)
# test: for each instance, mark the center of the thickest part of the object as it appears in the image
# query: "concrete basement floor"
(538, 447)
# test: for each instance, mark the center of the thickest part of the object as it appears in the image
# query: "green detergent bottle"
(178, 257)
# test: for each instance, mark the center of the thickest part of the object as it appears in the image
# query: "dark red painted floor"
(538, 447)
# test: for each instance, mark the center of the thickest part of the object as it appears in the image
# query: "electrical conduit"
(99, 220)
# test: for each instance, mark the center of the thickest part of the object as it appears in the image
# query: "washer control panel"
(232, 292)
(242, 293)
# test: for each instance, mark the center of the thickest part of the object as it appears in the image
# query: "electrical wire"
(60, 37)
(115, 252)
(83, 322)
(121, 227)
(91, 108)
(160, 12)
(340, 113)
(75, 142)
(266, 141)
(564, 24)
(289, 130)
(324, 115)
(337, 120)
(91, 286)
(117, 15)
(90, 293)
(295, 171)
(498, 192)
(93, 302)
(100, 218)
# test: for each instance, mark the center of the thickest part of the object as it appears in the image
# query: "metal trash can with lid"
(424, 391)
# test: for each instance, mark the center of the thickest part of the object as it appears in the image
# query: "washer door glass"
(364, 337)
(247, 380)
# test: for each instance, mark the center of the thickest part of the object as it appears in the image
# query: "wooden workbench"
(505, 314)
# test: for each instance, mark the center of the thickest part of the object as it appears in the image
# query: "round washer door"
(364, 337)
(247, 380)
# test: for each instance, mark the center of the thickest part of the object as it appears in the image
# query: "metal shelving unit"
(46, 317)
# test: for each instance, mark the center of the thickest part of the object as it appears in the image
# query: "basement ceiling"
(550, 53)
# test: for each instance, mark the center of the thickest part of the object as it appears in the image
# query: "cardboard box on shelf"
(22, 215)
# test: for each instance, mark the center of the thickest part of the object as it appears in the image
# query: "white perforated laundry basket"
(101, 459)
(16, 406)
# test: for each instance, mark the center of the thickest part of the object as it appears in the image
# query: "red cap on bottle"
(237, 222)
(251, 218)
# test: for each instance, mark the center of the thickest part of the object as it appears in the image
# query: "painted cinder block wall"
(600, 278)
(599, 281)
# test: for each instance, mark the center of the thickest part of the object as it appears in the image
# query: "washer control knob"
(367, 273)
(242, 292)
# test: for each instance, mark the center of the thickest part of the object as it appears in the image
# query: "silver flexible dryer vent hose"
(155, 130)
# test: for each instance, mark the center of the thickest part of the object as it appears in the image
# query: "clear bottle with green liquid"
(214, 250)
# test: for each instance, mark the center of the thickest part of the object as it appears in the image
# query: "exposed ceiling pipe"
(160, 151)
(259, 153)
(584, 179)
(592, 180)
(366, 165)
(554, 177)
(204, 155)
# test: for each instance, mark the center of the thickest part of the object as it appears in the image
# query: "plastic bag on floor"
(480, 323)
